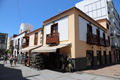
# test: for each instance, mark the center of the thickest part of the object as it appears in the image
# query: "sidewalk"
(112, 70)
(21, 72)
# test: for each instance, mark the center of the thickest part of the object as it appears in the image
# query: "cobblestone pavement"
(113, 71)
(21, 72)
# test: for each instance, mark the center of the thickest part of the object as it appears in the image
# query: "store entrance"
(90, 58)
(110, 56)
(105, 57)
(52, 60)
(98, 57)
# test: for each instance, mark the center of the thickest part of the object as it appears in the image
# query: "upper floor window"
(107, 26)
(36, 38)
(54, 28)
(89, 28)
(109, 39)
(98, 32)
(104, 36)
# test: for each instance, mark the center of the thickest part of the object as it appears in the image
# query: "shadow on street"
(10, 74)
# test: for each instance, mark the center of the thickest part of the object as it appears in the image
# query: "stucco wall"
(69, 31)
(62, 28)
(31, 38)
(80, 41)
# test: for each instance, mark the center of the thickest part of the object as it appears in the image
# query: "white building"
(18, 40)
(101, 9)
(25, 26)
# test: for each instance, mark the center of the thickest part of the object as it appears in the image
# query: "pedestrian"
(11, 60)
(15, 60)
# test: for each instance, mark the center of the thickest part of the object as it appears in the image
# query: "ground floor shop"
(115, 55)
(61, 58)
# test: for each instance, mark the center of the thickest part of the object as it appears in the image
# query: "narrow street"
(21, 72)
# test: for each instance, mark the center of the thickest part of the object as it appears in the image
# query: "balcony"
(110, 4)
(52, 38)
(102, 43)
(92, 39)
(118, 35)
(112, 12)
(107, 43)
(25, 45)
(113, 21)
(16, 47)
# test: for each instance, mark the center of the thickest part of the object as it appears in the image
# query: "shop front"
(26, 52)
(54, 57)
(115, 54)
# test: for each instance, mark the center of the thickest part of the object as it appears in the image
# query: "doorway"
(110, 56)
(99, 58)
(105, 57)
(90, 58)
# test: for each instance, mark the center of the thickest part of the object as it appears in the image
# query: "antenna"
(59, 10)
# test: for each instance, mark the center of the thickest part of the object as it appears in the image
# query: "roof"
(101, 20)
(21, 33)
(35, 31)
(79, 11)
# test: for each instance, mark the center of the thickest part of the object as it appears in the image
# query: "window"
(36, 38)
(107, 26)
(98, 32)
(54, 28)
(109, 39)
(89, 28)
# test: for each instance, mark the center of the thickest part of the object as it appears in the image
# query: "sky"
(33, 12)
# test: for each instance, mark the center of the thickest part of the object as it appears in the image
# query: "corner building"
(74, 33)
(101, 9)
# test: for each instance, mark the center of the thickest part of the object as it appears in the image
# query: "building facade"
(73, 33)
(8, 43)
(31, 41)
(101, 9)
(18, 40)
(25, 27)
(3, 42)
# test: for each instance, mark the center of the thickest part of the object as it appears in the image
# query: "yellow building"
(73, 33)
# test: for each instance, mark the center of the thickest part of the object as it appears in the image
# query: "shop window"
(36, 38)
(105, 57)
(99, 58)
(90, 58)
(110, 57)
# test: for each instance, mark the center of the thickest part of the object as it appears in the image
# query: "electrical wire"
(19, 10)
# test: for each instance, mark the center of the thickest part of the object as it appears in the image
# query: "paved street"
(113, 70)
(21, 72)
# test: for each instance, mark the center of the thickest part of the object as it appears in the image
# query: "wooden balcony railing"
(92, 39)
(102, 43)
(25, 45)
(52, 38)
(95, 40)
(107, 43)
